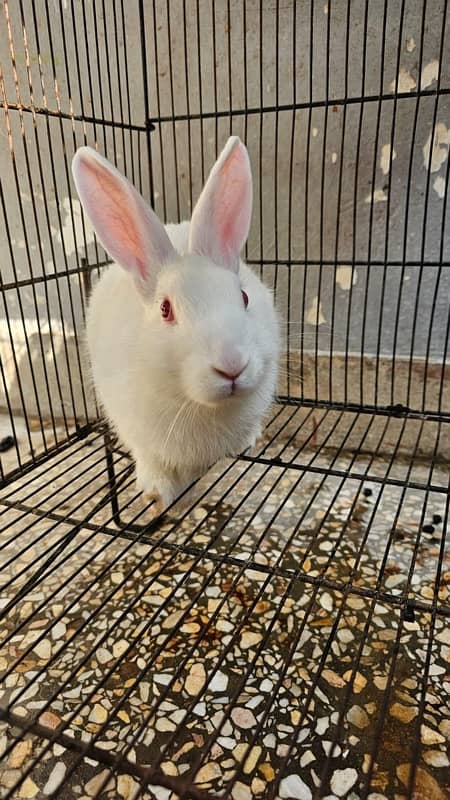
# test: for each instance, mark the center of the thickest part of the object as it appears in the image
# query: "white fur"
(156, 380)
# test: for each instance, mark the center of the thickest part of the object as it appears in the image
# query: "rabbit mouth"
(233, 390)
(217, 396)
(213, 387)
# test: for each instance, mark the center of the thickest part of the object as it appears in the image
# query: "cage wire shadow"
(285, 633)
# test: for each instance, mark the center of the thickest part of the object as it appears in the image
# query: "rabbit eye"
(166, 311)
(245, 298)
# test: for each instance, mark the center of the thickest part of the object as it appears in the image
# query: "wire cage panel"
(288, 51)
(57, 54)
(365, 228)
(284, 633)
(362, 182)
(218, 649)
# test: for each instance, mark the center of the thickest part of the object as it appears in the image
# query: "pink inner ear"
(233, 219)
(221, 218)
(116, 223)
(126, 226)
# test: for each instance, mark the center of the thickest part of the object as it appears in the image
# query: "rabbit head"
(203, 327)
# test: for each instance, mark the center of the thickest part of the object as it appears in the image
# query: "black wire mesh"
(286, 634)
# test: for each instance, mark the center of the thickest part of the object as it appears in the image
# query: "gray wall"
(358, 238)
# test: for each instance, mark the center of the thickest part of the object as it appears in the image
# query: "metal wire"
(283, 626)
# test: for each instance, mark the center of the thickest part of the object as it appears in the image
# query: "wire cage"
(286, 635)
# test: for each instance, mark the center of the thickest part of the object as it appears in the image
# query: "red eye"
(166, 311)
(245, 298)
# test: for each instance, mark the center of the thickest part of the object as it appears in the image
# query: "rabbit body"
(182, 393)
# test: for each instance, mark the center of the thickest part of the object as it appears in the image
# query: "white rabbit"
(183, 337)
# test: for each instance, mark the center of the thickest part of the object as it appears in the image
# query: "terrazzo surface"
(252, 644)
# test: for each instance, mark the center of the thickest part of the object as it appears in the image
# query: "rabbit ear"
(221, 219)
(126, 226)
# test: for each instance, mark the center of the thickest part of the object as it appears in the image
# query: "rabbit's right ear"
(126, 226)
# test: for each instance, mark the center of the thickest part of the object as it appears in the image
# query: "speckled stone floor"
(285, 635)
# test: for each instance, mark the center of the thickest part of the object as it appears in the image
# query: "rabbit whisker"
(175, 420)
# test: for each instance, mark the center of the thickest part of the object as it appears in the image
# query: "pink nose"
(230, 376)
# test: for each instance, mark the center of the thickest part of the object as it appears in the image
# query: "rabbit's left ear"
(221, 218)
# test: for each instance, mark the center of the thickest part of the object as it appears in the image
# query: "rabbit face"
(207, 329)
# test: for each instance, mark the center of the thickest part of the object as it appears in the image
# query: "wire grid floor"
(285, 634)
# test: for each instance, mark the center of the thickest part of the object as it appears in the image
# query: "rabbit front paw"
(162, 487)
(155, 487)
(255, 437)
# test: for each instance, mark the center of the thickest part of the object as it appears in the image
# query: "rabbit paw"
(255, 437)
(160, 487)
(155, 488)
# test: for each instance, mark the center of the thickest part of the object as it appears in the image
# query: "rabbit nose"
(231, 375)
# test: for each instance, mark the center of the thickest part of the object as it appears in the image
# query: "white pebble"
(179, 715)
(307, 758)
(343, 780)
(43, 649)
(212, 591)
(160, 792)
(429, 736)
(209, 772)
(294, 787)
(241, 792)
(227, 742)
(163, 678)
(172, 620)
(144, 689)
(255, 701)
(436, 758)
(218, 683)
(326, 601)
(436, 669)
(243, 717)
(250, 639)
(126, 786)
(393, 580)
(93, 785)
(358, 716)
(345, 635)
(98, 714)
(55, 778)
(119, 648)
(322, 725)
(103, 655)
(163, 724)
(59, 630)
(196, 679)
